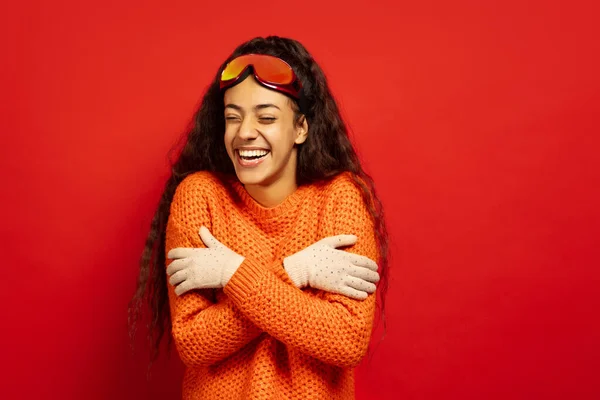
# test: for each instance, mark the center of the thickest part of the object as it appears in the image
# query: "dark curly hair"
(326, 153)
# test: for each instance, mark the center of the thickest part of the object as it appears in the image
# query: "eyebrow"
(256, 107)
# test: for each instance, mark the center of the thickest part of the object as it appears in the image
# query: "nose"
(247, 130)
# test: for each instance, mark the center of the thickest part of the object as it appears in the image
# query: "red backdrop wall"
(477, 120)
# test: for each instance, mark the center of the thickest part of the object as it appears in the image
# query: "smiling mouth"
(253, 156)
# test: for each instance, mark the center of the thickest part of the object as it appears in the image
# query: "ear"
(301, 131)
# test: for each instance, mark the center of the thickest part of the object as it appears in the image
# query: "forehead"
(249, 93)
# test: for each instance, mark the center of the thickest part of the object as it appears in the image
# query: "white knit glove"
(322, 266)
(202, 268)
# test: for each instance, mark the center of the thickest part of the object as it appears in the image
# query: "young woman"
(272, 235)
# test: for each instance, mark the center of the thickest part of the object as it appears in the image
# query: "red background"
(477, 120)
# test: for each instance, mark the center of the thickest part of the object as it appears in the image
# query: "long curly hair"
(326, 153)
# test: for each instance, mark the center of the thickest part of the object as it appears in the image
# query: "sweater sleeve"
(330, 327)
(204, 332)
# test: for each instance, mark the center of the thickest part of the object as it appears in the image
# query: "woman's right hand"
(323, 266)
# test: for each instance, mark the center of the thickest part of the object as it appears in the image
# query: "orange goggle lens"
(269, 69)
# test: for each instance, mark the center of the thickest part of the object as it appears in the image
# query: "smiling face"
(261, 135)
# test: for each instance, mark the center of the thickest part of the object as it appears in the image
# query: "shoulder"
(345, 186)
(346, 196)
(200, 184)
(347, 207)
(196, 191)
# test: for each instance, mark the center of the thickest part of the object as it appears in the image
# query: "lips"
(250, 163)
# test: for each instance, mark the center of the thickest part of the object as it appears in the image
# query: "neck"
(273, 194)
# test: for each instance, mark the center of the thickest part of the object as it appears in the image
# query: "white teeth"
(253, 153)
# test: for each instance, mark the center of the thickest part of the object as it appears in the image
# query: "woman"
(270, 230)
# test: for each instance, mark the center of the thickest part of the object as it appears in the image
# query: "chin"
(251, 177)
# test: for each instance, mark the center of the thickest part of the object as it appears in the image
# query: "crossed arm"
(204, 332)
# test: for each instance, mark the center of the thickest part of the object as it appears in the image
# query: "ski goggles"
(269, 71)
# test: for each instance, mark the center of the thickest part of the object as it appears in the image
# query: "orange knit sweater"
(260, 337)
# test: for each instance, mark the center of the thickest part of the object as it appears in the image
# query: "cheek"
(287, 140)
(282, 139)
(227, 139)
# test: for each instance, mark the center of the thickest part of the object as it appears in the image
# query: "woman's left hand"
(202, 268)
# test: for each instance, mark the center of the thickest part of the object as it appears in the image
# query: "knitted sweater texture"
(260, 337)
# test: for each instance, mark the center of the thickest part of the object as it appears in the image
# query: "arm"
(330, 327)
(204, 332)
